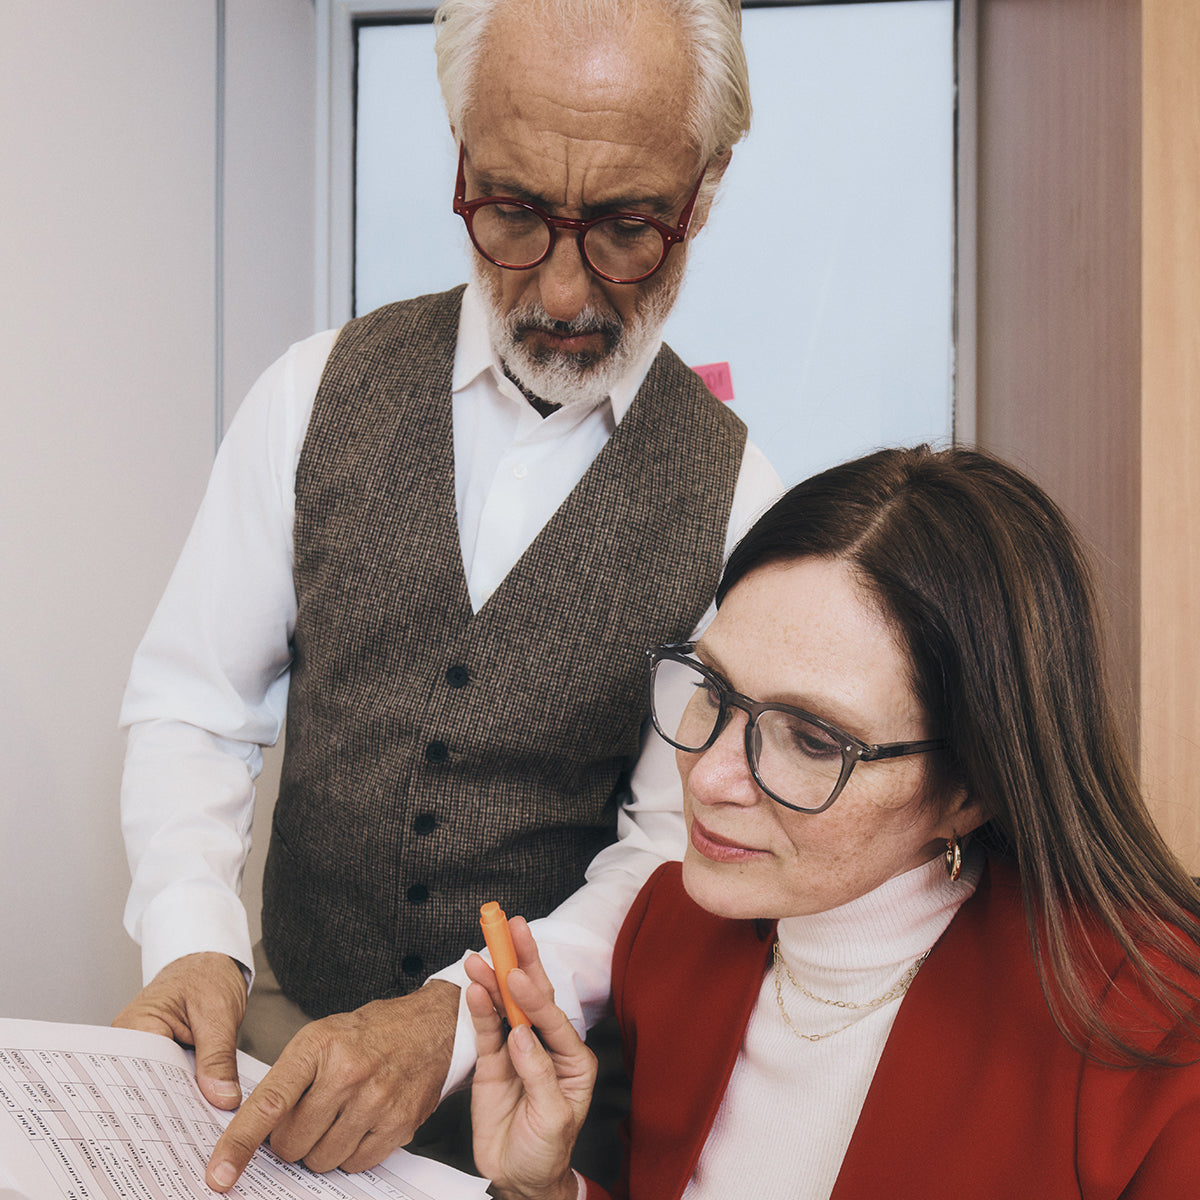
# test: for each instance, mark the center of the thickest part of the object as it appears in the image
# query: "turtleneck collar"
(843, 950)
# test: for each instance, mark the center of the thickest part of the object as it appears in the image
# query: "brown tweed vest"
(438, 758)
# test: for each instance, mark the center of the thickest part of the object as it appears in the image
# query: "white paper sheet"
(92, 1113)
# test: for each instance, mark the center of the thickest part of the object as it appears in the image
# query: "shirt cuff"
(180, 922)
(462, 1061)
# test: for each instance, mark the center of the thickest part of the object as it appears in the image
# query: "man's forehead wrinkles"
(584, 177)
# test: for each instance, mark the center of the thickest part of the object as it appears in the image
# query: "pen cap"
(499, 942)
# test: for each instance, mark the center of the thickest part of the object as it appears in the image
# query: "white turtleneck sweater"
(792, 1104)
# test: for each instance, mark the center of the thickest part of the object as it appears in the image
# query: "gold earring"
(953, 857)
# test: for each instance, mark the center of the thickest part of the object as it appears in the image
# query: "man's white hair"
(719, 112)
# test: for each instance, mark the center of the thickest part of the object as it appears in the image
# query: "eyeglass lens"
(619, 246)
(796, 760)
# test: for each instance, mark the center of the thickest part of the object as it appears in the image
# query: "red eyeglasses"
(620, 247)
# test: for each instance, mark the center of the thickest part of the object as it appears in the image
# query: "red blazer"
(977, 1094)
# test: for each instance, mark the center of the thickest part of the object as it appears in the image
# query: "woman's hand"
(529, 1098)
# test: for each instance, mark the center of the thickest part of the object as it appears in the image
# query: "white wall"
(108, 340)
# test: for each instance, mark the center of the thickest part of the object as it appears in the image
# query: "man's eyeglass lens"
(796, 761)
(620, 247)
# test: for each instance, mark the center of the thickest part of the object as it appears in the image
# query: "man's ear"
(712, 177)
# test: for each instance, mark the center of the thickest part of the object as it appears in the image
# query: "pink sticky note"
(717, 379)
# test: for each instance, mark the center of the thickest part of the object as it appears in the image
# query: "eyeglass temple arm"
(899, 749)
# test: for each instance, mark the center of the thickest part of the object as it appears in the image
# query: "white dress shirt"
(209, 681)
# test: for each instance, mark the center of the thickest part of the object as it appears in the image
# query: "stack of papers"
(90, 1112)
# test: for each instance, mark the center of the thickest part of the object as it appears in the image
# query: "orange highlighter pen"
(499, 942)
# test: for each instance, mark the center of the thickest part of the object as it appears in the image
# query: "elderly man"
(447, 532)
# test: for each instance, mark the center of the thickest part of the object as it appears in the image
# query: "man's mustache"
(535, 319)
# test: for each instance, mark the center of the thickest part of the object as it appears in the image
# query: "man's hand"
(199, 1000)
(348, 1089)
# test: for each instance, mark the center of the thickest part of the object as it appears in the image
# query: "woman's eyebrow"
(817, 706)
(713, 662)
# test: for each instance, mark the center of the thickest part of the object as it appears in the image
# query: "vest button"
(417, 894)
(457, 676)
(424, 823)
(412, 964)
(437, 752)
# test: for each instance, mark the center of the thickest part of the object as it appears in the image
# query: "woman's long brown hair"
(991, 593)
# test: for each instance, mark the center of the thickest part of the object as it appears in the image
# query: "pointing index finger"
(276, 1095)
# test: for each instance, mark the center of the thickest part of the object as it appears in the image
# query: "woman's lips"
(720, 849)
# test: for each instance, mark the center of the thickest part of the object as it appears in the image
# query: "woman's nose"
(721, 774)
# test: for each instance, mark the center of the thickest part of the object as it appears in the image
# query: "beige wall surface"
(1088, 327)
(108, 322)
(1170, 550)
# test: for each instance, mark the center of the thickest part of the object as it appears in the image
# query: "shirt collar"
(474, 355)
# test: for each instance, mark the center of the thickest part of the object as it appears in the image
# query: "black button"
(457, 677)
(412, 964)
(417, 894)
(437, 752)
(424, 823)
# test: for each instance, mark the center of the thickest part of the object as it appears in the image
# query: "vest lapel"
(364, 456)
(661, 433)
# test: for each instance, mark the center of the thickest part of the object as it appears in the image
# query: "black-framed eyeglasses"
(620, 247)
(799, 759)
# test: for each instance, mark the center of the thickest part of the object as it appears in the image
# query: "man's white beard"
(576, 380)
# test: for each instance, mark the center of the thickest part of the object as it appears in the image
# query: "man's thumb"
(216, 1065)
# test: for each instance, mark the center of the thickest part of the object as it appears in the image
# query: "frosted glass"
(824, 277)
(406, 239)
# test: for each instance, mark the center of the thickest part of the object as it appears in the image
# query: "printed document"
(91, 1113)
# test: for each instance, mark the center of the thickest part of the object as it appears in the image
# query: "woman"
(925, 940)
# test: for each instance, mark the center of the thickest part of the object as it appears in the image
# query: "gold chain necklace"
(781, 969)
